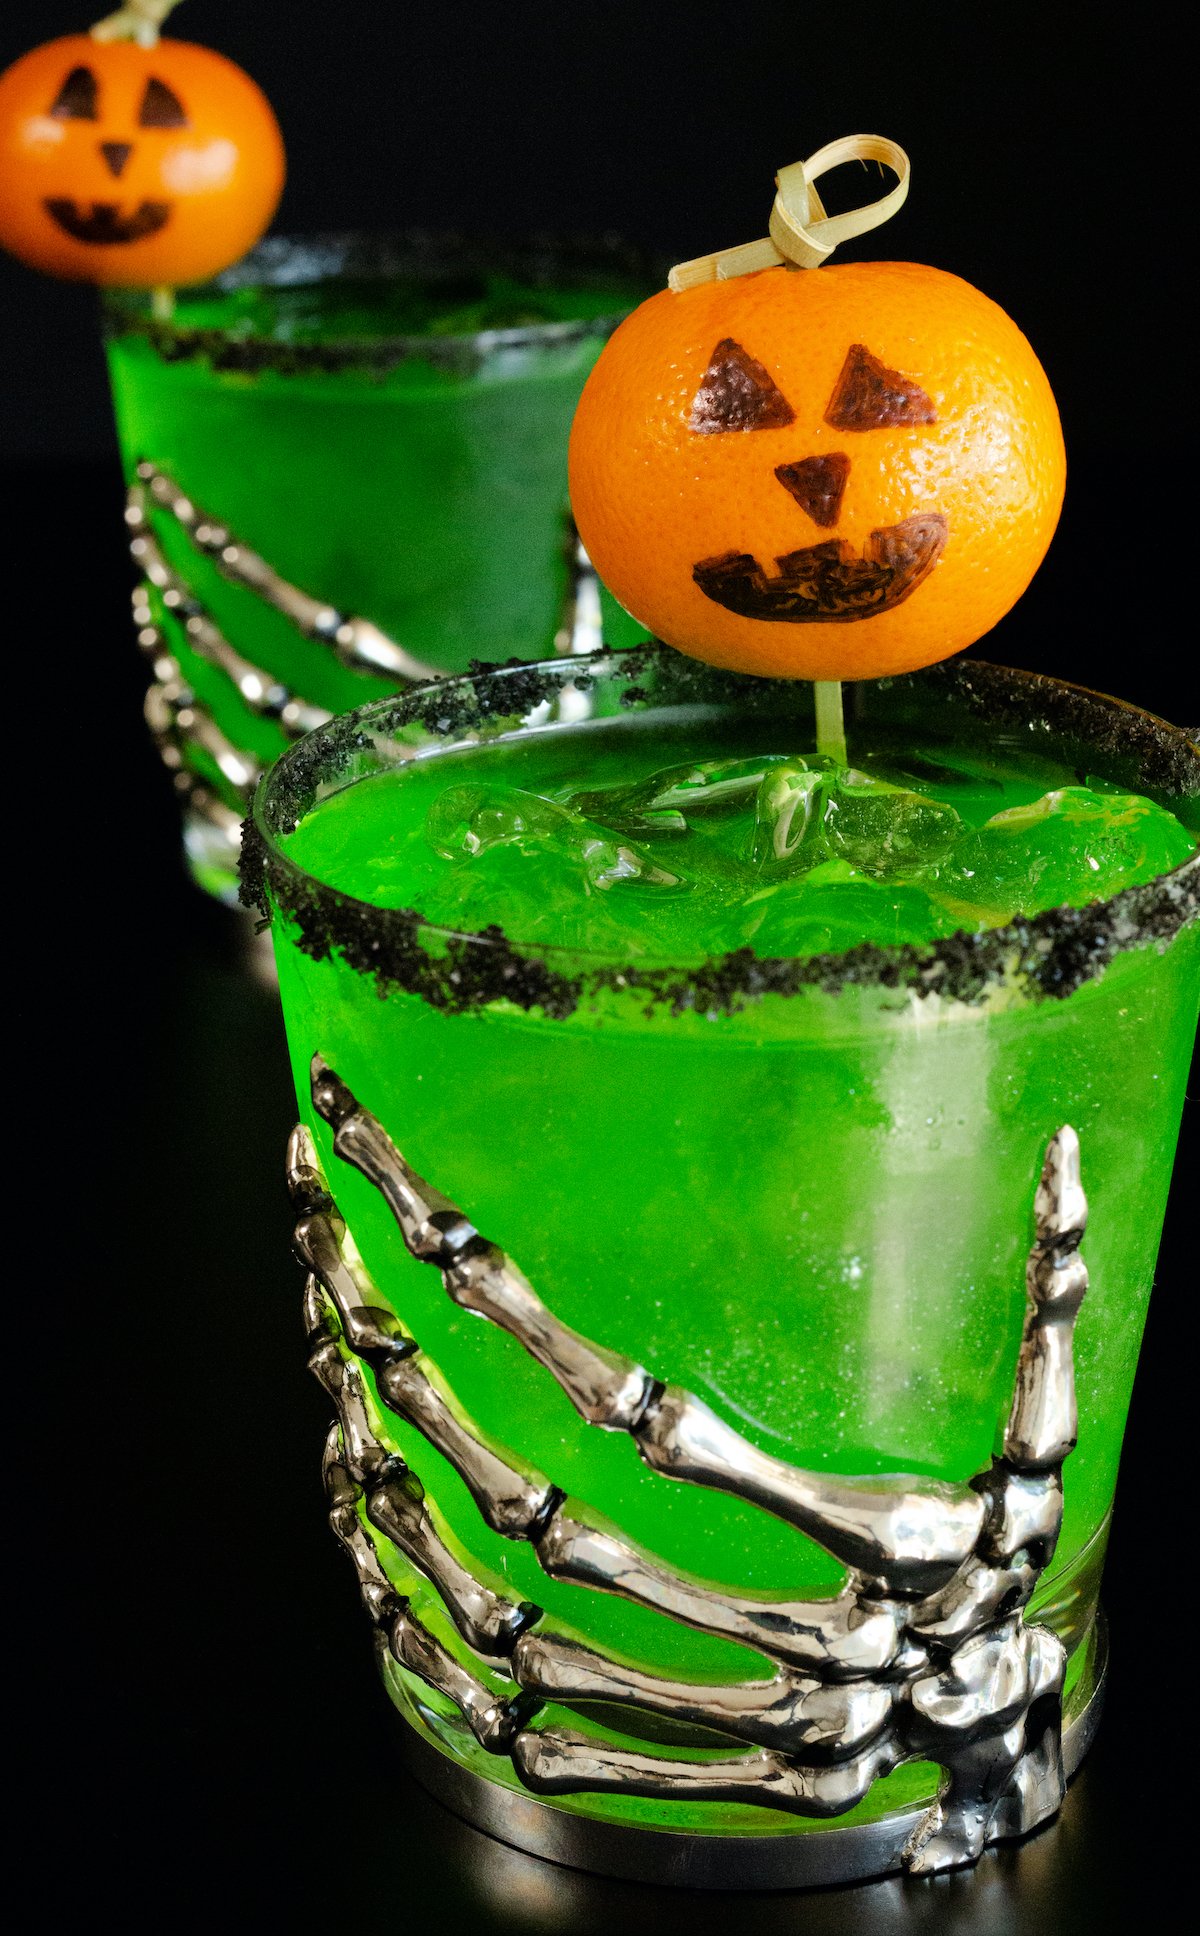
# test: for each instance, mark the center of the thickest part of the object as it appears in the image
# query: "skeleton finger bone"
(355, 640)
(1043, 1424)
(259, 691)
(843, 1636)
(393, 1496)
(493, 1719)
(916, 1538)
(379, 1596)
(489, 1623)
(305, 1182)
(797, 1715)
(561, 1761)
(176, 718)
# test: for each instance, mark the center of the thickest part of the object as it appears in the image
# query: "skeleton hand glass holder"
(713, 1501)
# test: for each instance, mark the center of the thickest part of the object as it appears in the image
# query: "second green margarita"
(350, 429)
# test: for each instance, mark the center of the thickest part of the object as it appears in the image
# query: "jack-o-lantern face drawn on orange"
(831, 473)
(134, 165)
(105, 223)
(827, 582)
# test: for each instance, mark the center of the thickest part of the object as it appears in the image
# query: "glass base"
(805, 1854)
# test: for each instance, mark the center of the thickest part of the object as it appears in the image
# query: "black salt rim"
(288, 262)
(1047, 955)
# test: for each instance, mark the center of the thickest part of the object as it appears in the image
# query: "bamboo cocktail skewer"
(803, 236)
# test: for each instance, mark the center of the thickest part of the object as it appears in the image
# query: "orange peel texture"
(836, 473)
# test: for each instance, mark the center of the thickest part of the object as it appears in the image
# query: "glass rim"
(1050, 954)
(300, 261)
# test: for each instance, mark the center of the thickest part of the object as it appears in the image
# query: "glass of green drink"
(690, 1177)
(347, 469)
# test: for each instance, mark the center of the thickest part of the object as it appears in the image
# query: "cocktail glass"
(772, 1226)
(347, 469)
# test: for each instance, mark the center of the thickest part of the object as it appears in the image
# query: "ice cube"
(716, 786)
(468, 822)
(662, 802)
(807, 814)
(886, 831)
(789, 817)
(628, 810)
(1069, 847)
(606, 865)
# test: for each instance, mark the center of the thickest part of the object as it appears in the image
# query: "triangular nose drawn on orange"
(116, 154)
(817, 484)
(737, 393)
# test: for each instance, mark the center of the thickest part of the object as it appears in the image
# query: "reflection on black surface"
(514, 1894)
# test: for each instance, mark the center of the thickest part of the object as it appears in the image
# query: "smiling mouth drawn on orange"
(102, 223)
(827, 581)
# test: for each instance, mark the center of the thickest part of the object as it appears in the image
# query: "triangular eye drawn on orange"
(868, 395)
(77, 97)
(737, 393)
(161, 107)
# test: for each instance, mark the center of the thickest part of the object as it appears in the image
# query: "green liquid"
(429, 496)
(666, 842)
(813, 1212)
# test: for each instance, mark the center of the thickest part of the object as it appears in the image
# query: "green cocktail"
(352, 463)
(749, 1063)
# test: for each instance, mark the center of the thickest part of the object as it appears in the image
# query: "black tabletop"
(209, 1726)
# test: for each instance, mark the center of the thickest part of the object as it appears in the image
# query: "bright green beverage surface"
(811, 1210)
(424, 490)
(673, 842)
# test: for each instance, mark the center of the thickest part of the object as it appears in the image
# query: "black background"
(208, 1732)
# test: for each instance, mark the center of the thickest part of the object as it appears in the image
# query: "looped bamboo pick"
(137, 20)
(802, 235)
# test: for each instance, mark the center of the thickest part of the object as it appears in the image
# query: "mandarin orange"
(832, 473)
(134, 165)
